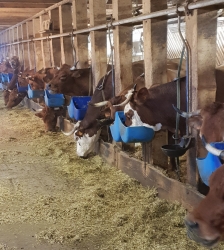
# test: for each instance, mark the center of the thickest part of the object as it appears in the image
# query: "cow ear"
(195, 122)
(142, 95)
(76, 73)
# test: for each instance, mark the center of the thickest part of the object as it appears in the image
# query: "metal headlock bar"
(135, 19)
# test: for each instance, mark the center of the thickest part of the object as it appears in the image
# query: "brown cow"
(49, 116)
(14, 98)
(205, 224)
(39, 80)
(208, 120)
(71, 82)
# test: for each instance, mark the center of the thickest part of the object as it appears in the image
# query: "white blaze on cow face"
(86, 144)
(136, 120)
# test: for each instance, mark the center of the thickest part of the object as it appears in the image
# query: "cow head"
(70, 82)
(15, 98)
(86, 139)
(49, 116)
(36, 81)
(209, 121)
(14, 62)
(205, 224)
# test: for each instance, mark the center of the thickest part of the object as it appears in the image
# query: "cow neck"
(102, 85)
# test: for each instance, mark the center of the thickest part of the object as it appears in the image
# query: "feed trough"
(78, 107)
(10, 75)
(21, 89)
(177, 150)
(34, 93)
(208, 164)
(5, 77)
(131, 134)
(53, 100)
(114, 128)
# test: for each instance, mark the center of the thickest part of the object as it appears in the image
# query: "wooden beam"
(26, 11)
(55, 43)
(26, 62)
(80, 41)
(65, 19)
(32, 1)
(28, 5)
(97, 10)
(201, 29)
(37, 45)
(122, 45)
(155, 57)
(45, 44)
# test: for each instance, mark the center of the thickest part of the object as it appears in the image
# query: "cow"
(71, 82)
(209, 121)
(40, 79)
(87, 131)
(49, 116)
(14, 98)
(205, 223)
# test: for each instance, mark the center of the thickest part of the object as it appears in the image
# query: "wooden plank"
(37, 45)
(45, 44)
(55, 43)
(31, 52)
(201, 30)
(97, 9)
(26, 11)
(65, 20)
(28, 5)
(80, 41)
(19, 34)
(167, 188)
(25, 47)
(9, 40)
(122, 45)
(155, 57)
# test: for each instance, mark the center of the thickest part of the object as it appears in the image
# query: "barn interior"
(97, 33)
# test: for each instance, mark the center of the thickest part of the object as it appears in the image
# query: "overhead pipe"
(135, 19)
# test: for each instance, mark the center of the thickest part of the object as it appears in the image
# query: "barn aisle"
(51, 199)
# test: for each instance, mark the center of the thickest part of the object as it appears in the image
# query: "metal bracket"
(186, 9)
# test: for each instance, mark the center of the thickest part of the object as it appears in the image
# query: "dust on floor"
(52, 199)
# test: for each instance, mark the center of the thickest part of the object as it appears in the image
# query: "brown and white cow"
(88, 130)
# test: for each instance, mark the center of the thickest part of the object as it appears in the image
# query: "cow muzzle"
(193, 230)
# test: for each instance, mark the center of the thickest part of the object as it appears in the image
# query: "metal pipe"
(187, 74)
(134, 19)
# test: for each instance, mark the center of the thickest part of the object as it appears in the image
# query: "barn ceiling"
(15, 11)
